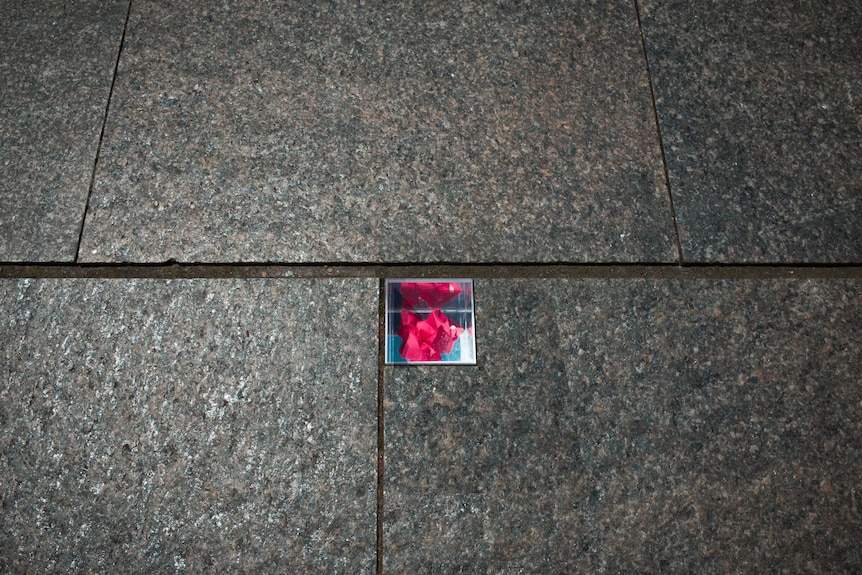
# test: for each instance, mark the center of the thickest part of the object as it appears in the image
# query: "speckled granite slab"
(56, 65)
(187, 426)
(760, 105)
(377, 131)
(635, 426)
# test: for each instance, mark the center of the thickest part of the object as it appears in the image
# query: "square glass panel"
(430, 321)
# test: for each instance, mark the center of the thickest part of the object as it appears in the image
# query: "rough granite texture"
(56, 66)
(374, 131)
(187, 426)
(760, 106)
(635, 426)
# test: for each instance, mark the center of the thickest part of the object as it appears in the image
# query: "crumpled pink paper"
(427, 339)
(434, 293)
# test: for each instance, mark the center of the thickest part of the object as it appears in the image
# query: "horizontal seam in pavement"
(483, 270)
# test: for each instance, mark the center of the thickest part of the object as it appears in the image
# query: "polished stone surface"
(372, 131)
(760, 107)
(634, 426)
(56, 66)
(188, 426)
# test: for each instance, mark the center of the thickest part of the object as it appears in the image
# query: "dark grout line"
(102, 135)
(423, 270)
(381, 360)
(660, 135)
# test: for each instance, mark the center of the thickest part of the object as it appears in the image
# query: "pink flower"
(427, 339)
(435, 293)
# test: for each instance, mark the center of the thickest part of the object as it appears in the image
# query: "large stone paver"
(188, 426)
(372, 131)
(619, 426)
(57, 62)
(760, 106)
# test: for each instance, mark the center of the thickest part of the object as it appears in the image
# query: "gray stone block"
(634, 426)
(759, 106)
(372, 131)
(191, 426)
(57, 62)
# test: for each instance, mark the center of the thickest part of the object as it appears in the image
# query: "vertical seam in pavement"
(381, 360)
(660, 135)
(102, 133)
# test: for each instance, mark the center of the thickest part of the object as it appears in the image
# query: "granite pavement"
(150, 426)
(369, 131)
(633, 426)
(613, 425)
(57, 63)
(760, 107)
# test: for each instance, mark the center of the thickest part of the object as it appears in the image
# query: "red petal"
(434, 293)
(427, 339)
(410, 348)
(408, 319)
(446, 334)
